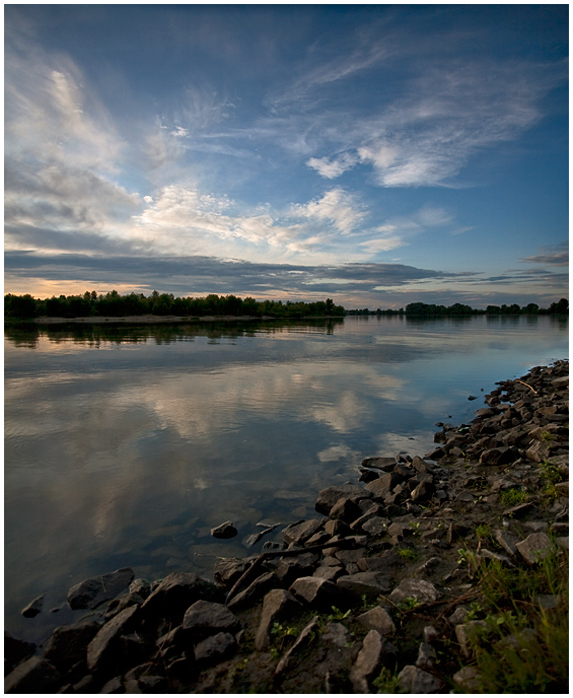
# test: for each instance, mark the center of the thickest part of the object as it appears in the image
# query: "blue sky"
(375, 154)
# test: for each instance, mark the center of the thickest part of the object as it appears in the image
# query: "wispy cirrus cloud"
(557, 255)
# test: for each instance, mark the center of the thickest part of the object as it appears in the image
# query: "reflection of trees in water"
(93, 335)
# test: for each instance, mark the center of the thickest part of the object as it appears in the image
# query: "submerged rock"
(93, 591)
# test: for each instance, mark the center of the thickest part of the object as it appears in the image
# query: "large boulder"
(35, 675)
(176, 593)
(328, 497)
(206, 618)
(67, 644)
(103, 649)
(93, 591)
(278, 604)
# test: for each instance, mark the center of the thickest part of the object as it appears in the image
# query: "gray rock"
(374, 653)
(225, 530)
(257, 588)
(113, 686)
(206, 617)
(431, 633)
(468, 679)
(35, 675)
(301, 642)
(383, 485)
(466, 633)
(176, 593)
(507, 541)
(141, 587)
(336, 634)
(535, 547)
(227, 570)
(93, 591)
(318, 593)
(15, 650)
(459, 615)
(346, 510)
(426, 656)
(379, 619)
(414, 680)
(277, 605)
(67, 644)
(102, 649)
(370, 584)
(380, 463)
(328, 497)
(420, 589)
(423, 492)
(498, 456)
(299, 532)
(375, 525)
(290, 568)
(329, 572)
(215, 648)
(34, 607)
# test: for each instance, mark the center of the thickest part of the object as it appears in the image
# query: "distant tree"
(20, 306)
(560, 308)
(531, 309)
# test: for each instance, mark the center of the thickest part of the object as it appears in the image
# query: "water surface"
(124, 446)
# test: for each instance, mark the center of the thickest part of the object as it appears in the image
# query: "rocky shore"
(410, 579)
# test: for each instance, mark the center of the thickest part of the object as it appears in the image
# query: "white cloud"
(336, 206)
(330, 169)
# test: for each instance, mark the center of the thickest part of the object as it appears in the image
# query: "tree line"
(560, 307)
(113, 304)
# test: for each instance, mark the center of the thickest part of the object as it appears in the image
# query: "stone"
(299, 532)
(431, 633)
(468, 679)
(215, 648)
(102, 649)
(386, 463)
(384, 485)
(426, 656)
(67, 644)
(141, 587)
(507, 541)
(498, 456)
(301, 642)
(113, 686)
(374, 653)
(425, 592)
(335, 634)
(206, 617)
(254, 591)
(290, 568)
(346, 510)
(370, 584)
(335, 527)
(34, 607)
(538, 451)
(278, 605)
(375, 525)
(15, 650)
(176, 593)
(93, 591)
(519, 511)
(227, 570)
(423, 492)
(414, 680)
(459, 615)
(35, 675)
(328, 572)
(318, 593)
(535, 547)
(328, 497)
(379, 619)
(225, 530)
(466, 633)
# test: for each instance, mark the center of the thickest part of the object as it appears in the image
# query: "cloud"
(558, 256)
(337, 207)
(333, 168)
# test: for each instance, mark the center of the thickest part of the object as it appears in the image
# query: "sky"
(374, 154)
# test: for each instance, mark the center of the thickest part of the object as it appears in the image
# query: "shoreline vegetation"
(136, 308)
(446, 573)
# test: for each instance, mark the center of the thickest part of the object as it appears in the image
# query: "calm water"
(124, 447)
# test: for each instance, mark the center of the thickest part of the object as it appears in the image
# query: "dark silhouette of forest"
(112, 304)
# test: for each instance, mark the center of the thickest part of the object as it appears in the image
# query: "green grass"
(526, 650)
(513, 496)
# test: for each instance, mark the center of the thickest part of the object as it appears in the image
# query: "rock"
(225, 530)
(375, 525)
(93, 591)
(538, 451)
(228, 569)
(371, 584)
(254, 591)
(35, 675)
(176, 593)
(15, 650)
(423, 492)
(113, 686)
(431, 633)
(346, 510)
(278, 604)
(380, 463)
(328, 497)
(507, 541)
(420, 589)
(535, 547)
(383, 485)
(336, 634)
(290, 568)
(299, 532)
(374, 653)
(467, 633)
(103, 648)
(67, 644)
(329, 572)
(426, 656)
(378, 619)
(459, 615)
(206, 617)
(301, 642)
(519, 511)
(215, 648)
(141, 587)
(318, 593)
(498, 456)
(414, 680)
(468, 679)
(34, 607)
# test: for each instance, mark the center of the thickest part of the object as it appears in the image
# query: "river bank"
(382, 590)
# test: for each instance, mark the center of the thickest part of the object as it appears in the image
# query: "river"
(124, 446)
